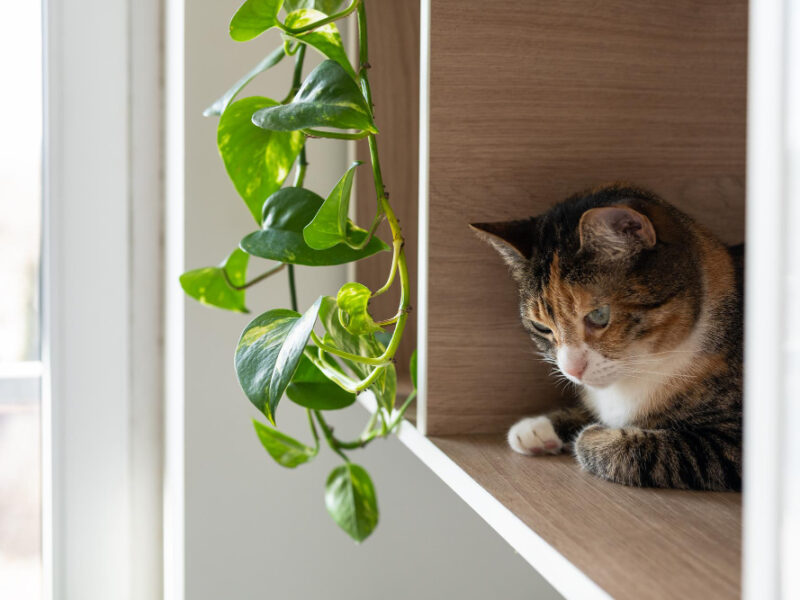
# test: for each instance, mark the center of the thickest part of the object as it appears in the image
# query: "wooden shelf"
(587, 537)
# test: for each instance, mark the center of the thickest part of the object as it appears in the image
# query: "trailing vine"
(280, 354)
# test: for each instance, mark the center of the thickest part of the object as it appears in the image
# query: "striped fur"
(670, 412)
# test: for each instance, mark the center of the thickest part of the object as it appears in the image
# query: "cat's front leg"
(695, 459)
(547, 434)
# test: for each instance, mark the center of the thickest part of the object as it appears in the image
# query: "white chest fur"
(620, 403)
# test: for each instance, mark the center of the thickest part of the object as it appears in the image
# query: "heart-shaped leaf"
(352, 300)
(269, 352)
(327, 6)
(329, 226)
(253, 18)
(350, 500)
(385, 386)
(286, 213)
(325, 39)
(210, 285)
(329, 97)
(257, 161)
(272, 59)
(311, 389)
(286, 451)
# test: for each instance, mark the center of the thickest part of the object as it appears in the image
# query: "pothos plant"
(323, 358)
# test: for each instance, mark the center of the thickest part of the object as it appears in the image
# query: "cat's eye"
(541, 328)
(599, 316)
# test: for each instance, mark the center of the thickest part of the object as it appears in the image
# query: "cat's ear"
(512, 239)
(616, 231)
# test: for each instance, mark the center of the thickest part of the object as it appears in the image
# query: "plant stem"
(388, 321)
(317, 24)
(369, 434)
(370, 232)
(383, 202)
(252, 282)
(302, 162)
(328, 433)
(292, 290)
(335, 135)
(297, 78)
(313, 428)
(379, 361)
(345, 382)
(397, 246)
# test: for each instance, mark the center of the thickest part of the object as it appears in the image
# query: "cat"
(642, 309)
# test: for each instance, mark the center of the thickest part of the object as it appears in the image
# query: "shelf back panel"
(532, 101)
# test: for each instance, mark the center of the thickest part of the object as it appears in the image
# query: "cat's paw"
(534, 436)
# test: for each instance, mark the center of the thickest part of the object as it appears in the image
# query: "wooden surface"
(634, 543)
(533, 101)
(394, 78)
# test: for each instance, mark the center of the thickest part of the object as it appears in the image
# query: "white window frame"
(102, 300)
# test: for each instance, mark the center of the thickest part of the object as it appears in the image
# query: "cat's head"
(609, 281)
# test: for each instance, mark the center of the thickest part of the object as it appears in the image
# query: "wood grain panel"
(534, 102)
(633, 542)
(394, 55)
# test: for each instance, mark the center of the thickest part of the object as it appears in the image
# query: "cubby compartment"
(528, 102)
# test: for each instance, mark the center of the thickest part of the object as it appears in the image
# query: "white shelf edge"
(422, 217)
(564, 576)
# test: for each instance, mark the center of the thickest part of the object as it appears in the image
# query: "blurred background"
(20, 237)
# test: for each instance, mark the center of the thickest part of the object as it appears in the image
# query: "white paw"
(534, 436)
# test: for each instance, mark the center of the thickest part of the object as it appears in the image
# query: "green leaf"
(328, 98)
(350, 500)
(209, 285)
(268, 354)
(253, 18)
(286, 213)
(286, 451)
(326, 6)
(413, 368)
(352, 300)
(385, 386)
(329, 225)
(257, 161)
(325, 39)
(311, 389)
(272, 59)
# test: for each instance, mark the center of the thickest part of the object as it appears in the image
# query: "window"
(20, 367)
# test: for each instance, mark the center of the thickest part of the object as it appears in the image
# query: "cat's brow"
(549, 310)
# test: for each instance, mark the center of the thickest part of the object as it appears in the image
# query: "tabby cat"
(641, 307)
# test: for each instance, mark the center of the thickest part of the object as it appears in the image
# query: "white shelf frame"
(773, 155)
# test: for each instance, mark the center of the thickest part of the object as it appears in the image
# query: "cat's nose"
(576, 370)
(573, 361)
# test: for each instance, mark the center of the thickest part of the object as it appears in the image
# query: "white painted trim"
(86, 300)
(422, 245)
(101, 409)
(765, 299)
(146, 317)
(174, 380)
(565, 577)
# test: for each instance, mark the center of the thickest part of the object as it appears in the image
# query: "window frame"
(102, 289)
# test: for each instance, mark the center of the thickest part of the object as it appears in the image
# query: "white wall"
(254, 529)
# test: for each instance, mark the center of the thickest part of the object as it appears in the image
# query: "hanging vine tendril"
(279, 353)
